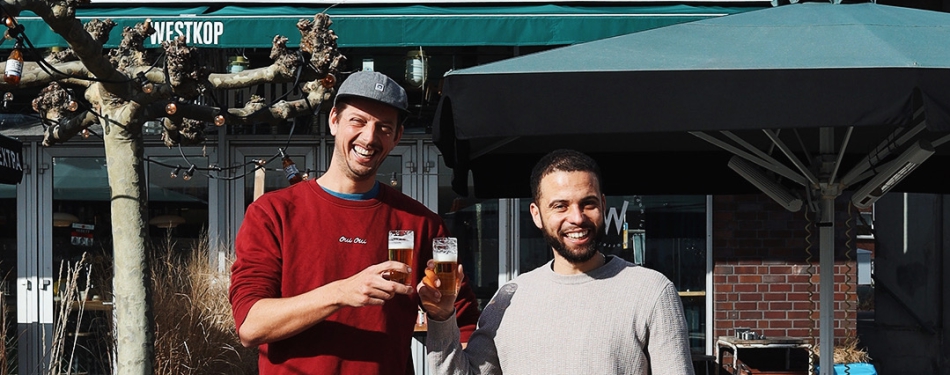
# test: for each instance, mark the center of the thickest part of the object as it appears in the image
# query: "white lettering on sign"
(618, 219)
(194, 32)
(10, 159)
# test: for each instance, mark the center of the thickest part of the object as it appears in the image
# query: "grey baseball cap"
(376, 86)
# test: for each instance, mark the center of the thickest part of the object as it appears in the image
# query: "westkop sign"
(11, 161)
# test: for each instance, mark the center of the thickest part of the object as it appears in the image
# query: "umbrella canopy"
(631, 101)
(823, 98)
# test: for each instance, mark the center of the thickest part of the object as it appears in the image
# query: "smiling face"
(569, 210)
(364, 131)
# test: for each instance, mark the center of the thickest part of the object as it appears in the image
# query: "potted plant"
(850, 360)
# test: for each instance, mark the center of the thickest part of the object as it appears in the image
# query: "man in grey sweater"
(581, 313)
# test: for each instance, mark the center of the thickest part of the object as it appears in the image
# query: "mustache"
(590, 227)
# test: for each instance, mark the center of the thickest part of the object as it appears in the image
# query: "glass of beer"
(401, 243)
(445, 253)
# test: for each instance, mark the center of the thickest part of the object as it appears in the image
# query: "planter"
(853, 369)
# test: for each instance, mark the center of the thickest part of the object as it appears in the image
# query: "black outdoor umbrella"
(804, 102)
(794, 67)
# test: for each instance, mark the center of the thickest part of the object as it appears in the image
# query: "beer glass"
(401, 243)
(445, 252)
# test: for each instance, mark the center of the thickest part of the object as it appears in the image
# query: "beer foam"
(400, 245)
(445, 257)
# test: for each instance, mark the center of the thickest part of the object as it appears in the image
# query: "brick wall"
(764, 277)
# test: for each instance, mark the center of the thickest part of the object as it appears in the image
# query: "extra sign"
(11, 160)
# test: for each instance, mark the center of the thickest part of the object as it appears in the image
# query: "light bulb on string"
(328, 81)
(171, 108)
(190, 172)
(72, 106)
(175, 172)
(85, 133)
(7, 99)
(393, 181)
(9, 21)
(147, 87)
(219, 120)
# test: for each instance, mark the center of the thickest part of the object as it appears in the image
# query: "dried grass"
(847, 352)
(194, 329)
(4, 343)
(62, 352)
(3, 337)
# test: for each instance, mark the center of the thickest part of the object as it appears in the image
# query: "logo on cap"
(379, 87)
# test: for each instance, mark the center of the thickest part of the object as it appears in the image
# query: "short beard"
(575, 257)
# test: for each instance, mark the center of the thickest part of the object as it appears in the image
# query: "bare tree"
(123, 90)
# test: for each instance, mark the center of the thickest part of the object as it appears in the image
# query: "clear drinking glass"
(401, 243)
(445, 253)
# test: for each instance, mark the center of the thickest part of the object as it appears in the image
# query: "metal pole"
(826, 239)
(826, 309)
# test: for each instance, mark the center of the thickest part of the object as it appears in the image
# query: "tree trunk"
(131, 286)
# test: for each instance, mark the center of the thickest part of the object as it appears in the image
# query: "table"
(732, 345)
(91, 305)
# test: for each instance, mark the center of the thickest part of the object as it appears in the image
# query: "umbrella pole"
(826, 311)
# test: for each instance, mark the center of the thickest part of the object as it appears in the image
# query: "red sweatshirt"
(299, 238)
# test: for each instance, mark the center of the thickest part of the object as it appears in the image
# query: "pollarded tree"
(124, 89)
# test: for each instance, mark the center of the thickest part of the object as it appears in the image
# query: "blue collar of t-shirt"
(372, 193)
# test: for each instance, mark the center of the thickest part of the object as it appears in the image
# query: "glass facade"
(8, 274)
(57, 250)
(475, 222)
(497, 238)
(178, 204)
(273, 173)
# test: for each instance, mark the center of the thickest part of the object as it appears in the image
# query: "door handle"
(46, 284)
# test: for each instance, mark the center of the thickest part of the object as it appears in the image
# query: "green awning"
(394, 26)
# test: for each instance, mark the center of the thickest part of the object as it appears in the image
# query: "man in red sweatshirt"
(309, 284)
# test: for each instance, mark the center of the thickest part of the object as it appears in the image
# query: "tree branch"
(61, 18)
(68, 128)
(34, 76)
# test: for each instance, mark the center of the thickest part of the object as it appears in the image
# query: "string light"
(171, 108)
(219, 120)
(85, 133)
(9, 21)
(7, 99)
(177, 170)
(190, 172)
(72, 106)
(328, 81)
(393, 181)
(147, 87)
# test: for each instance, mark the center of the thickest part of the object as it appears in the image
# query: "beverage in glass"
(401, 243)
(445, 254)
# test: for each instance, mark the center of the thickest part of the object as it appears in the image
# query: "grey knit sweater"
(617, 319)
